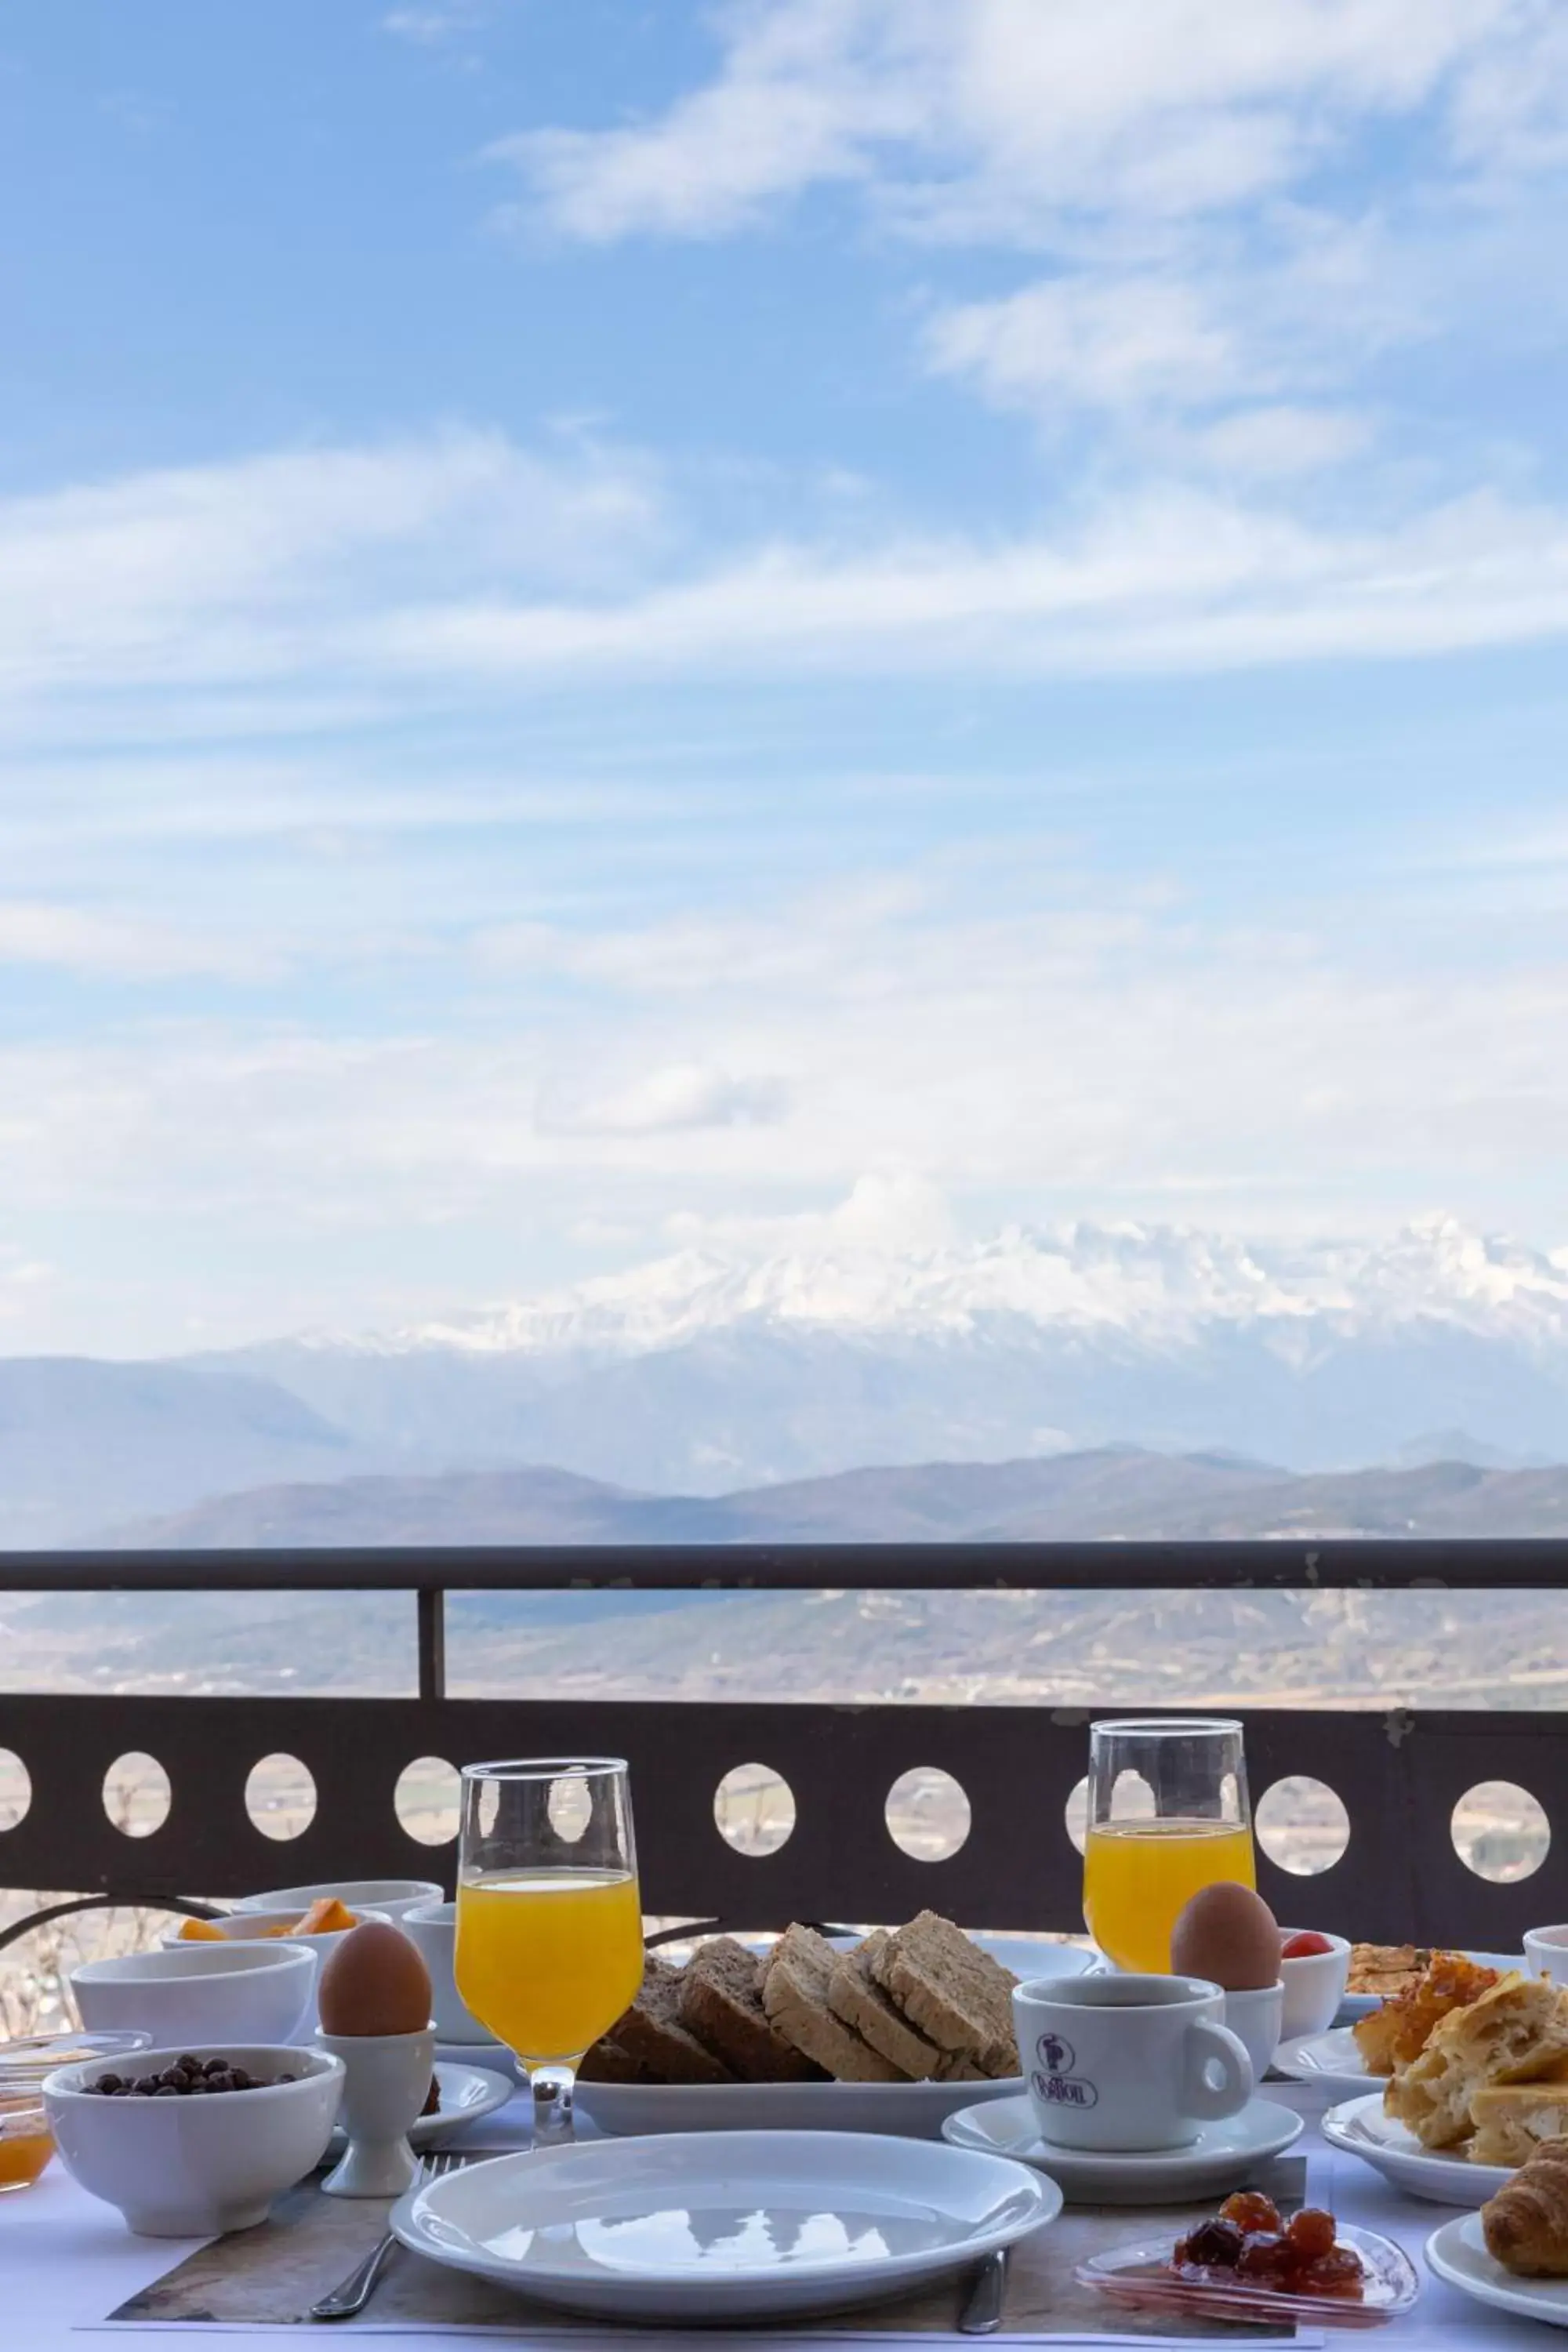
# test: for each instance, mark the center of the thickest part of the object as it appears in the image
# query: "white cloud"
(682, 1096)
(435, 23)
(998, 117)
(72, 939)
(1077, 343)
(1281, 440)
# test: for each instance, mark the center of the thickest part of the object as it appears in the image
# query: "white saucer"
(1223, 2155)
(493, 2056)
(1456, 2253)
(1360, 2129)
(717, 2228)
(466, 2093)
(1330, 2061)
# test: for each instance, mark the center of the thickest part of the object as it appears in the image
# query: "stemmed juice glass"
(1168, 1813)
(549, 1946)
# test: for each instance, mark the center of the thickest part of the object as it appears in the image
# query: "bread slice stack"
(913, 2004)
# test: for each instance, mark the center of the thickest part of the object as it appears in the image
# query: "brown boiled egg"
(375, 1982)
(1226, 1933)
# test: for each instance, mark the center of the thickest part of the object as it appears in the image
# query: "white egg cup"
(386, 2081)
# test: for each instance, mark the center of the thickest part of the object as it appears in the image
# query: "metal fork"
(350, 2297)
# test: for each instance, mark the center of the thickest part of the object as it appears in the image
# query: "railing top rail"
(1525, 1563)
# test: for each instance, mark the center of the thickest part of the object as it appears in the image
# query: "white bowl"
(1314, 1985)
(1254, 2018)
(201, 1992)
(387, 1898)
(250, 1927)
(196, 2168)
(434, 1928)
(1546, 1953)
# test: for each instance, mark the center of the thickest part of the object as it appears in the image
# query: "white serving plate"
(908, 2110)
(1360, 2129)
(1361, 2004)
(466, 2093)
(758, 2225)
(1330, 2061)
(1456, 2253)
(1223, 2155)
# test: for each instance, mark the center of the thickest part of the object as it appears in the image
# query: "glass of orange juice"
(549, 1948)
(1168, 1813)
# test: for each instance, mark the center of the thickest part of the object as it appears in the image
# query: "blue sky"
(612, 618)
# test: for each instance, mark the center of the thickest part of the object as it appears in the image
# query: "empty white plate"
(749, 2225)
(1360, 2129)
(1456, 2253)
(1223, 2156)
(1330, 2061)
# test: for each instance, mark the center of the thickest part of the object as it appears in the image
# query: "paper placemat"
(270, 2276)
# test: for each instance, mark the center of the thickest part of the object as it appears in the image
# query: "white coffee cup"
(434, 1928)
(1128, 2062)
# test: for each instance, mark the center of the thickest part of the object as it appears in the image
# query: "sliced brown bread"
(651, 2033)
(950, 1991)
(606, 2062)
(795, 1978)
(858, 2000)
(721, 2004)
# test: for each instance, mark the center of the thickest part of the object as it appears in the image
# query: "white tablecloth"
(66, 2261)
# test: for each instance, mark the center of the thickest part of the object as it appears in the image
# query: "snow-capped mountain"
(716, 1368)
(1156, 1282)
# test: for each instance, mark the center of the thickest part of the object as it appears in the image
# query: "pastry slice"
(952, 1991)
(1394, 2035)
(1513, 2119)
(720, 2004)
(1512, 2034)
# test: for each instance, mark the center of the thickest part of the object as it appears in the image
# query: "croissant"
(1526, 2223)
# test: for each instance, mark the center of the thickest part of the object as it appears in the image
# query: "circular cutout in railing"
(281, 1797)
(136, 1794)
(927, 1814)
(1500, 1832)
(753, 1809)
(1075, 1813)
(570, 1807)
(1302, 1825)
(425, 1800)
(15, 1790)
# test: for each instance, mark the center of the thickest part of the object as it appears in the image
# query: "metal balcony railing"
(1400, 1774)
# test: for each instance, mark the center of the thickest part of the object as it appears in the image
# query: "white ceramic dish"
(1331, 2061)
(387, 1898)
(1546, 1953)
(1362, 2004)
(906, 2110)
(202, 1993)
(256, 1926)
(757, 2225)
(493, 2056)
(192, 2167)
(1314, 1985)
(433, 1927)
(1224, 2156)
(1360, 2127)
(1456, 2253)
(466, 2093)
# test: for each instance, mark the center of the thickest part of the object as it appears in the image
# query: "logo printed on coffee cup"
(1055, 2055)
(1065, 2091)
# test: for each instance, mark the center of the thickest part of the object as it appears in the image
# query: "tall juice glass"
(1168, 1813)
(549, 1948)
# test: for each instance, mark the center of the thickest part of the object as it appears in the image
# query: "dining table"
(67, 2263)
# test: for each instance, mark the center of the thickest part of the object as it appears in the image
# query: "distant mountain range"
(703, 1374)
(1117, 1492)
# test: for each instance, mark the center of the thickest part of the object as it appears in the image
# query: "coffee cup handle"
(1214, 2050)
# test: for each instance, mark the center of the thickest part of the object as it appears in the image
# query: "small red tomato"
(1301, 1946)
